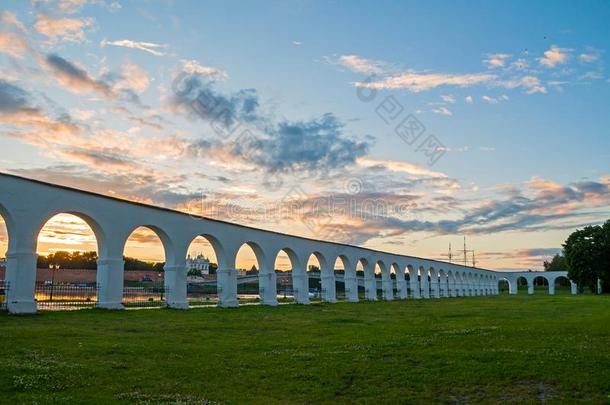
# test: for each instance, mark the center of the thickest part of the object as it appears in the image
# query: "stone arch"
(348, 289)
(540, 281)
(413, 289)
(433, 282)
(505, 286)
(443, 286)
(400, 280)
(560, 283)
(250, 262)
(166, 241)
(299, 283)
(83, 283)
(386, 291)
(522, 283)
(324, 282)
(94, 225)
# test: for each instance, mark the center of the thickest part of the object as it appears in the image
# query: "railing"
(3, 294)
(65, 297)
(145, 297)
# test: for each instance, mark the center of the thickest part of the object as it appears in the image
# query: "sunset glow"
(313, 137)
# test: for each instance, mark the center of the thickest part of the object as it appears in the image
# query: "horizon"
(400, 127)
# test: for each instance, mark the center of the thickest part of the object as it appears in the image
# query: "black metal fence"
(3, 294)
(145, 297)
(65, 297)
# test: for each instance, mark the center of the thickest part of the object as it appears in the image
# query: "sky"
(400, 126)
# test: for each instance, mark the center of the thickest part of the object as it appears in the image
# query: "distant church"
(200, 262)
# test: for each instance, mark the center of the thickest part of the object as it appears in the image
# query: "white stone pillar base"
(267, 288)
(415, 289)
(175, 285)
(21, 278)
(226, 286)
(370, 289)
(329, 290)
(401, 289)
(300, 286)
(351, 288)
(110, 283)
(387, 290)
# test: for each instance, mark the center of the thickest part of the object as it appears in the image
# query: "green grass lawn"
(481, 349)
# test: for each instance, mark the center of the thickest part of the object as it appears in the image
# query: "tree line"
(88, 261)
(586, 257)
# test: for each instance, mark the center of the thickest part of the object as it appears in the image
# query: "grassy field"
(518, 349)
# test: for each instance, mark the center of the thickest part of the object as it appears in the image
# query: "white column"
(351, 287)
(573, 288)
(21, 278)
(415, 288)
(552, 287)
(370, 286)
(175, 286)
(425, 286)
(530, 286)
(401, 286)
(226, 285)
(329, 290)
(109, 279)
(387, 287)
(267, 287)
(300, 286)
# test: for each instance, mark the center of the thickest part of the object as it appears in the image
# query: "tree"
(587, 254)
(557, 263)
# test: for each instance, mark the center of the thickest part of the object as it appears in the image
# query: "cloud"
(11, 19)
(193, 67)
(531, 84)
(13, 44)
(199, 99)
(554, 56)
(275, 146)
(16, 110)
(496, 60)
(589, 57)
(494, 100)
(448, 99)
(416, 82)
(133, 77)
(75, 79)
(359, 64)
(66, 29)
(399, 166)
(468, 99)
(442, 111)
(70, 6)
(301, 146)
(149, 47)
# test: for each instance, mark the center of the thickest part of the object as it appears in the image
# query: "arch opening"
(67, 249)
(361, 265)
(522, 285)
(248, 265)
(541, 284)
(145, 252)
(562, 285)
(380, 270)
(314, 273)
(341, 263)
(201, 267)
(285, 265)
